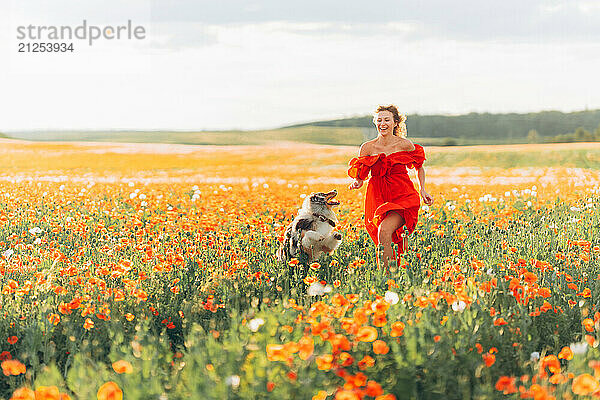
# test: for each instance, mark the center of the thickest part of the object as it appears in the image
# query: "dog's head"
(321, 204)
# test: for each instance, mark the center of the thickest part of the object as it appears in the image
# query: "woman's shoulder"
(366, 148)
(406, 145)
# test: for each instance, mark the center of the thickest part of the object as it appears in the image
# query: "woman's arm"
(427, 198)
(357, 182)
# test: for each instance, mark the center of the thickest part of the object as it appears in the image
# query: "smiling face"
(384, 121)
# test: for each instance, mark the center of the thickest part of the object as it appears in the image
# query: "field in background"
(318, 135)
(149, 270)
(335, 136)
(134, 156)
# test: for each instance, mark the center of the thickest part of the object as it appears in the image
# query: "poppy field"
(148, 272)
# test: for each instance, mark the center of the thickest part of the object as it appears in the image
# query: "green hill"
(503, 127)
(465, 129)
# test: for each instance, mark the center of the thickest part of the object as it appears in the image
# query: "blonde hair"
(400, 129)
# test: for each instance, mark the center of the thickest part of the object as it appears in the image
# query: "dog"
(311, 232)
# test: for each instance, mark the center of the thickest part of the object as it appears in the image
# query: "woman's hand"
(356, 184)
(427, 198)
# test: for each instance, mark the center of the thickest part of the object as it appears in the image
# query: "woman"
(392, 202)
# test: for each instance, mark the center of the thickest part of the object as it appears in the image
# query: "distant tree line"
(549, 125)
(580, 135)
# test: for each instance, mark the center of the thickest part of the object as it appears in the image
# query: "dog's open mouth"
(331, 201)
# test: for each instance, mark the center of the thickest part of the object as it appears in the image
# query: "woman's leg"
(388, 226)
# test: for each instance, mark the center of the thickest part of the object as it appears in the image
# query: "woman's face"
(384, 121)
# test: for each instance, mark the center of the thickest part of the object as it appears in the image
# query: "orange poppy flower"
(585, 384)
(557, 379)
(54, 319)
(346, 359)
(380, 347)
(47, 393)
(12, 339)
(276, 352)
(324, 362)
(366, 334)
(122, 367)
(346, 395)
(546, 307)
(373, 389)
(544, 292)
(13, 367)
(339, 342)
(110, 391)
(88, 324)
(552, 363)
(506, 384)
(386, 397)
(397, 329)
(566, 353)
(307, 347)
(588, 324)
(321, 395)
(379, 320)
(488, 359)
(366, 362)
(23, 394)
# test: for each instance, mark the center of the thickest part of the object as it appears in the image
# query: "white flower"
(392, 297)
(575, 209)
(8, 253)
(578, 348)
(317, 289)
(132, 195)
(37, 241)
(233, 381)
(35, 230)
(255, 323)
(425, 208)
(459, 306)
(534, 356)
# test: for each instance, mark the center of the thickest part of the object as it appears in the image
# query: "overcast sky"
(260, 64)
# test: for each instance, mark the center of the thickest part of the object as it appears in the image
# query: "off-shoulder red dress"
(389, 189)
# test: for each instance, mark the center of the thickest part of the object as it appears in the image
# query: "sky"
(245, 64)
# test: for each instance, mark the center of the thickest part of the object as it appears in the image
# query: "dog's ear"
(304, 224)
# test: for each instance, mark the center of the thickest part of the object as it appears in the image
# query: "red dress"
(389, 189)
